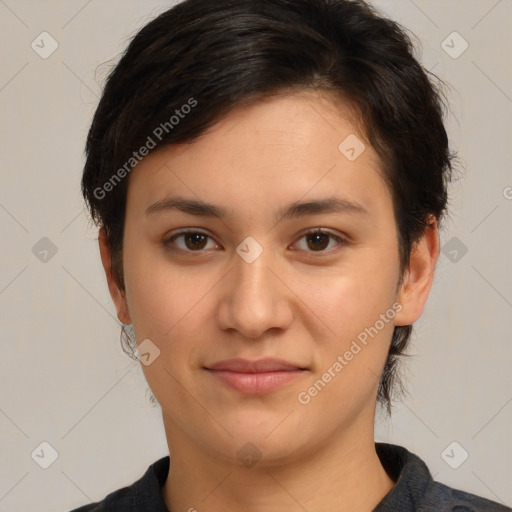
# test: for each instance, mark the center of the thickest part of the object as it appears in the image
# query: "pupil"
(197, 239)
(317, 237)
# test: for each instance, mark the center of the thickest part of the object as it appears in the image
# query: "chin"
(263, 445)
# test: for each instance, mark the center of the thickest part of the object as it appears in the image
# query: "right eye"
(191, 241)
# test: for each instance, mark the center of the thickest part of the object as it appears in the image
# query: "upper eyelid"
(186, 231)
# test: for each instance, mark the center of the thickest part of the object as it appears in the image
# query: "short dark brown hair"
(217, 55)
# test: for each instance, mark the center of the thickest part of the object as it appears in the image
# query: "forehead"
(274, 151)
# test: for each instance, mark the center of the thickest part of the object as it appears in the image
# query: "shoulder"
(93, 507)
(416, 491)
(144, 495)
(120, 500)
(442, 498)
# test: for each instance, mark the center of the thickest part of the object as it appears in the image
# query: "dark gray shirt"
(414, 490)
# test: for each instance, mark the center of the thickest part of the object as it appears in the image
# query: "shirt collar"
(411, 475)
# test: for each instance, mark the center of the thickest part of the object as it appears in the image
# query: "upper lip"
(268, 364)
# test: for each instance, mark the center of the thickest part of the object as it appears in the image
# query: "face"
(295, 265)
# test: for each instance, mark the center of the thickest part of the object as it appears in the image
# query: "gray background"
(64, 378)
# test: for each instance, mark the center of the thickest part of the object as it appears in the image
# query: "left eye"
(318, 240)
(196, 241)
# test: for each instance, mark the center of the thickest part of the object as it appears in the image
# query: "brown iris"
(197, 240)
(319, 240)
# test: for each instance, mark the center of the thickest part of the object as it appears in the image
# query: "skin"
(295, 302)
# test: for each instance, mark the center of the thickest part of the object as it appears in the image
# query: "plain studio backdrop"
(64, 379)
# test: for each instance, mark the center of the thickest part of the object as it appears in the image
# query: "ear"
(419, 275)
(118, 295)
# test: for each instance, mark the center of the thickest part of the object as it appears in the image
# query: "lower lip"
(256, 383)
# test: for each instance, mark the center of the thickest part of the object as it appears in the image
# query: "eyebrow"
(292, 210)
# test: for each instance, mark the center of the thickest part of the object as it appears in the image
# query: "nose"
(255, 297)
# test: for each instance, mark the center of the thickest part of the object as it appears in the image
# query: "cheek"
(351, 303)
(351, 296)
(167, 306)
(159, 294)
(352, 356)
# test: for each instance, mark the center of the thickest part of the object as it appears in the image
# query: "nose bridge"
(254, 299)
(253, 276)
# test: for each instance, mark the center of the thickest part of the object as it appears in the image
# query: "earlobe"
(419, 275)
(118, 295)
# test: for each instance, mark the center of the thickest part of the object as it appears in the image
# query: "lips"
(257, 366)
(255, 377)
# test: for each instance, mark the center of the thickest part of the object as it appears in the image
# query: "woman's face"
(251, 284)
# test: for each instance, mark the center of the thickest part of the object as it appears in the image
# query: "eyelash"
(167, 243)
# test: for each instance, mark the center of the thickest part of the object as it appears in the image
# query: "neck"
(344, 474)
